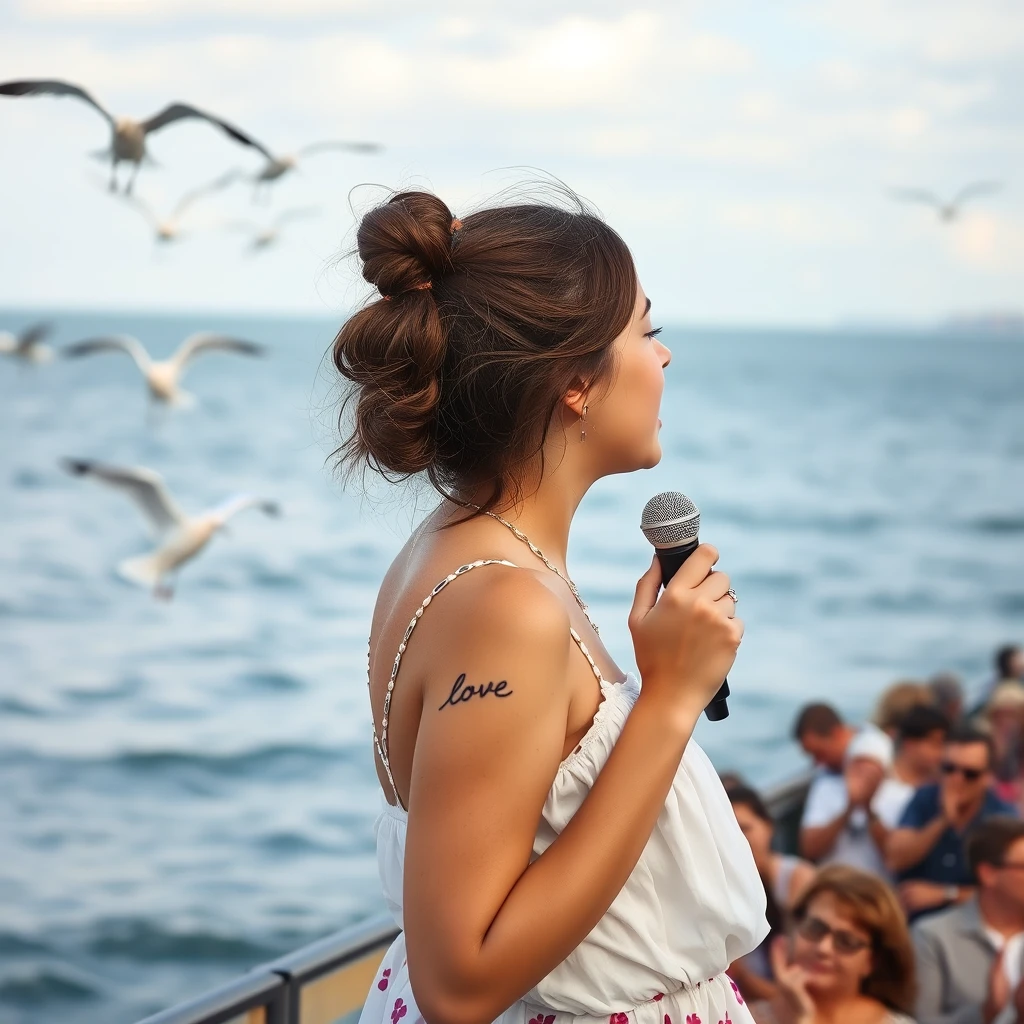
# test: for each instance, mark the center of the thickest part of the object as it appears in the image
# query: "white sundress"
(692, 905)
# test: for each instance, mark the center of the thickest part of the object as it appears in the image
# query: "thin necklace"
(547, 561)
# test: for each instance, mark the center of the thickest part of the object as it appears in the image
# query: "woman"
(552, 842)
(850, 958)
(1004, 718)
(784, 878)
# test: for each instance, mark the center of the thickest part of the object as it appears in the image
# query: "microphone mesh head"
(670, 519)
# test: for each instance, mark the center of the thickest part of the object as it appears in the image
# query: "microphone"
(670, 521)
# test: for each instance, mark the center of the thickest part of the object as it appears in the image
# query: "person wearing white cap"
(839, 824)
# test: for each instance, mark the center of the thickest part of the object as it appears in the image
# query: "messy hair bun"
(481, 328)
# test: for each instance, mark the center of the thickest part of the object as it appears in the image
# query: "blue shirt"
(946, 862)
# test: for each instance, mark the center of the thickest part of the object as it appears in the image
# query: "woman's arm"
(484, 924)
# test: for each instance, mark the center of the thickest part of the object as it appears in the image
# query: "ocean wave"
(997, 524)
(38, 986)
(141, 940)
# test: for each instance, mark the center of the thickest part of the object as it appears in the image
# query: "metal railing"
(328, 980)
(318, 984)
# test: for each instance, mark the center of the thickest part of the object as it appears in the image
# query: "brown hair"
(817, 719)
(461, 379)
(871, 905)
(896, 700)
(991, 840)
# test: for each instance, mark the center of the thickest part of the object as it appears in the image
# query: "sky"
(745, 151)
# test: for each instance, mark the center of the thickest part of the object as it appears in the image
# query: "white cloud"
(713, 145)
(793, 221)
(942, 31)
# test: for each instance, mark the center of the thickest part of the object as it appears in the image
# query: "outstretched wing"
(209, 342)
(52, 87)
(240, 502)
(916, 195)
(353, 147)
(217, 185)
(976, 188)
(110, 343)
(182, 111)
(32, 335)
(140, 204)
(143, 486)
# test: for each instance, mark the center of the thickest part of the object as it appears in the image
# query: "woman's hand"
(685, 641)
(792, 1004)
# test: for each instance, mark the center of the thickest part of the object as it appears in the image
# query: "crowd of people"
(905, 900)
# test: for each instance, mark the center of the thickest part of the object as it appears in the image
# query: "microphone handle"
(670, 559)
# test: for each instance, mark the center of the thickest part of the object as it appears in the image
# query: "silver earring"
(583, 430)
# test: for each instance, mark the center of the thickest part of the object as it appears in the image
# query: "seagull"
(278, 166)
(27, 345)
(262, 236)
(947, 211)
(181, 536)
(128, 136)
(163, 375)
(169, 229)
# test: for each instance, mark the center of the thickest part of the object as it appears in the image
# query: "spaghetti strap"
(381, 742)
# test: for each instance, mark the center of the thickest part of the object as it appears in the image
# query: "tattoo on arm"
(462, 693)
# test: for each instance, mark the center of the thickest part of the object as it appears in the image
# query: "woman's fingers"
(646, 596)
(695, 569)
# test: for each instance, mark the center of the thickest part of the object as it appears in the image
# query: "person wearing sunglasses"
(969, 957)
(848, 958)
(927, 851)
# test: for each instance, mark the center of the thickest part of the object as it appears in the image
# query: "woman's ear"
(576, 399)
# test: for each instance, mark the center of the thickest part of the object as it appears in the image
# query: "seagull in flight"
(262, 236)
(169, 228)
(27, 345)
(128, 136)
(180, 537)
(163, 376)
(947, 211)
(277, 166)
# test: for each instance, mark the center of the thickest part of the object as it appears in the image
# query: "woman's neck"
(545, 511)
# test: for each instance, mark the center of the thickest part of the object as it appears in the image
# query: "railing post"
(280, 1008)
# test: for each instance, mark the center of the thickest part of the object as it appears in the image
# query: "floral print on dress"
(618, 1018)
(383, 983)
(726, 1021)
(692, 1018)
(736, 991)
(659, 996)
(668, 1019)
(400, 1010)
(539, 1019)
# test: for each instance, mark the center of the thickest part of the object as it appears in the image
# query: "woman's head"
(896, 700)
(491, 338)
(851, 937)
(754, 820)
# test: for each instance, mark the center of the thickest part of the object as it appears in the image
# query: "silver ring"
(732, 594)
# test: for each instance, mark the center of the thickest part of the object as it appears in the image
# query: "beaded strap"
(382, 742)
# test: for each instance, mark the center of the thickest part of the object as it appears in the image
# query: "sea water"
(186, 787)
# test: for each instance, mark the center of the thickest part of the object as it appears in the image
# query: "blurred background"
(825, 207)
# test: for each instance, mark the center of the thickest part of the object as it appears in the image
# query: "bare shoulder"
(502, 603)
(493, 674)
